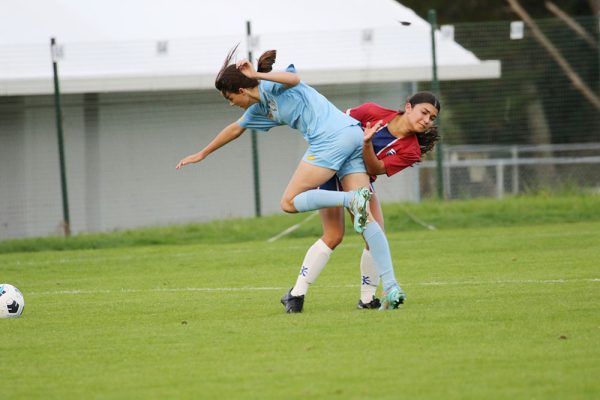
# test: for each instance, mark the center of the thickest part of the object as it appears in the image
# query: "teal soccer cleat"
(392, 300)
(359, 207)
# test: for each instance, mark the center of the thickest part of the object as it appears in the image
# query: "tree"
(493, 10)
(501, 110)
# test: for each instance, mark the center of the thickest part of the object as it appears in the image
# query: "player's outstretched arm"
(288, 79)
(374, 165)
(228, 134)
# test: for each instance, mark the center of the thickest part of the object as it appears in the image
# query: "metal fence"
(536, 128)
(536, 101)
(496, 170)
(530, 129)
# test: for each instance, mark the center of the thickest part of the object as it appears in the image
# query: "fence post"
(255, 163)
(417, 183)
(500, 179)
(435, 85)
(447, 174)
(59, 129)
(514, 150)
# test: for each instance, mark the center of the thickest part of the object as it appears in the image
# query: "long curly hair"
(428, 138)
(231, 80)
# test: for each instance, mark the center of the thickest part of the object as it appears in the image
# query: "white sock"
(315, 260)
(369, 277)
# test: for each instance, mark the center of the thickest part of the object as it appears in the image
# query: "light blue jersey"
(334, 137)
(300, 107)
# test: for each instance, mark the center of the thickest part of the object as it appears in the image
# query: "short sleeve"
(256, 118)
(272, 88)
(360, 113)
(371, 112)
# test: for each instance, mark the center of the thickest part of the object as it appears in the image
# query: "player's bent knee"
(287, 205)
(333, 240)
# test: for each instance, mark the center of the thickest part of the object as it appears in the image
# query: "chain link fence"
(497, 170)
(531, 129)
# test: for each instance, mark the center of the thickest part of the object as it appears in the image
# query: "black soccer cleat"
(374, 304)
(292, 304)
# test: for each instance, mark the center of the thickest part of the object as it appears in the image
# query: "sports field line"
(192, 254)
(273, 288)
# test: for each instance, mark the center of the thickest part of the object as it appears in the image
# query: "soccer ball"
(11, 301)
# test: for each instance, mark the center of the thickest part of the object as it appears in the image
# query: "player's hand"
(194, 158)
(370, 131)
(246, 68)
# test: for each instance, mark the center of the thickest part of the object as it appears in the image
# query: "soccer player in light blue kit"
(335, 147)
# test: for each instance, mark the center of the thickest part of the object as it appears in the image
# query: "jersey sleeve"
(371, 112)
(256, 118)
(257, 115)
(276, 88)
(361, 113)
(273, 88)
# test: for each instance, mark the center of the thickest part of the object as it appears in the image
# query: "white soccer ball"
(11, 301)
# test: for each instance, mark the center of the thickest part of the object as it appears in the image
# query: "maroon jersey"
(396, 153)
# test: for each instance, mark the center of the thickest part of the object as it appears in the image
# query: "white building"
(137, 92)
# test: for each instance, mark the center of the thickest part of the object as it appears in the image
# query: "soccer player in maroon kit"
(393, 140)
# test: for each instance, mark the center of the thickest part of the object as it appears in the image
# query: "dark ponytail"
(266, 61)
(428, 139)
(231, 80)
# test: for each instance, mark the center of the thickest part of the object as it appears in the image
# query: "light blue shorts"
(341, 151)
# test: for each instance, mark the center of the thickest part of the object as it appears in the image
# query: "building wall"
(121, 151)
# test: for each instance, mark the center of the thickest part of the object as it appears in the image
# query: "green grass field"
(504, 310)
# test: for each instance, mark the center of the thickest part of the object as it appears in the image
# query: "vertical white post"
(447, 184)
(500, 179)
(253, 137)
(515, 169)
(417, 183)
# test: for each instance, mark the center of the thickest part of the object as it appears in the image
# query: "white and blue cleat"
(392, 300)
(359, 207)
